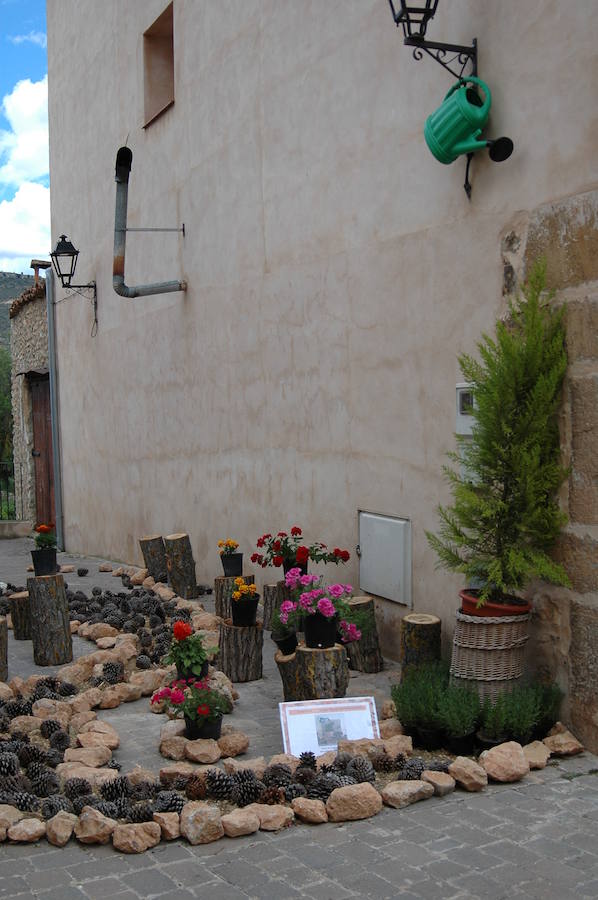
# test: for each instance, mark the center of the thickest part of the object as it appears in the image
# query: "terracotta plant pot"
(514, 607)
(44, 561)
(195, 730)
(244, 611)
(232, 564)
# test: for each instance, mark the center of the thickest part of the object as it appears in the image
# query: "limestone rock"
(106, 643)
(136, 838)
(169, 774)
(403, 793)
(60, 828)
(26, 831)
(257, 765)
(285, 759)
(390, 728)
(219, 681)
(104, 728)
(110, 698)
(82, 718)
(173, 747)
(97, 739)
(201, 823)
(203, 750)
(537, 754)
(170, 825)
(88, 756)
(163, 591)
(9, 815)
(387, 711)
(138, 773)
(271, 818)
(94, 828)
(104, 567)
(101, 630)
(563, 744)
(74, 626)
(67, 570)
(468, 774)
(24, 723)
(312, 811)
(361, 746)
(205, 621)
(6, 693)
(173, 728)
(399, 743)
(506, 763)
(125, 651)
(116, 573)
(139, 577)
(233, 744)
(149, 680)
(53, 709)
(86, 700)
(325, 759)
(240, 822)
(148, 582)
(78, 673)
(96, 777)
(17, 685)
(442, 782)
(355, 801)
(557, 728)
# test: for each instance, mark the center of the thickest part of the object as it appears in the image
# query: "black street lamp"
(414, 17)
(64, 258)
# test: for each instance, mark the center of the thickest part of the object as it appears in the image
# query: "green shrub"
(419, 698)
(493, 719)
(460, 711)
(550, 697)
(522, 713)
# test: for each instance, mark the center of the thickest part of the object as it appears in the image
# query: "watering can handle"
(474, 80)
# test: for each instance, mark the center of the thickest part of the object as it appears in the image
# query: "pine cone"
(143, 790)
(247, 788)
(346, 780)
(305, 775)
(342, 760)
(361, 770)
(196, 788)
(75, 787)
(308, 759)
(67, 689)
(143, 662)
(113, 764)
(25, 802)
(383, 762)
(29, 753)
(412, 769)
(9, 764)
(323, 786)
(49, 726)
(141, 812)
(277, 775)
(82, 800)
(54, 805)
(115, 789)
(438, 764)
(113, 672)
(46, 785)
(272, 796)
(294, 790)
(108, 808)
(219, 785)
(60, 740)
(169, 801)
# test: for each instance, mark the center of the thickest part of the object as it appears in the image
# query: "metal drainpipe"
(124, 158)
(53, 368)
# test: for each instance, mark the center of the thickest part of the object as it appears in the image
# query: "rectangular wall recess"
(385, 561)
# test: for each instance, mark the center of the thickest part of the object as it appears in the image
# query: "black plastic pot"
(429, 738)
(319, 631)
(486, 743)
(44, 561)
(203, 729)
(187, 673)
(287, 565)
(232, 564)
(462, 745)
(244, 611)
(287, 644)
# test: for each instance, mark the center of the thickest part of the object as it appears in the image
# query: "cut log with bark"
(241, 651)
(50, 625)
(271, 602)
(20, 616)
(224, 586)
(313, 674)
(181, 565)
(419, 640)
(154, 556)
(364, 654)
(3, 649)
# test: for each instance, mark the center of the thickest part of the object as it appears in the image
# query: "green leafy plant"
(505, 515)
(194, 700)
(280, 630)
(419, 697)
(44, 537)
(494, 719)
(550, 697)
(187, 651)
(522, 713)
(460, 711)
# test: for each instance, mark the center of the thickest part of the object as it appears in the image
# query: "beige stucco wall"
(29, 352)
(335, 269)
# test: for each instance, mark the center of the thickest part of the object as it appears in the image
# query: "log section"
(20, 616)
(241, 651)
(224, 586)
(50, 626)
(419, 640)
(154, 556)
(312, 674)
(181, 565)
(364, 654)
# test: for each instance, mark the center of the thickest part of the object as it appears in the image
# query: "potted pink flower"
(320, 611)
(201, 706)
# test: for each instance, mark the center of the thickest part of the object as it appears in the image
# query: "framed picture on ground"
(318, 725)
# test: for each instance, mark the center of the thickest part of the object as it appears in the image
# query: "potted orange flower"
(44, 556)
(244, 603)
(232, 562)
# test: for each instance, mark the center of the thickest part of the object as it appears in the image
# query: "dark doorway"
(42, 449)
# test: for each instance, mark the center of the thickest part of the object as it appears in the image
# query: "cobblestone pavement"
(534, 839)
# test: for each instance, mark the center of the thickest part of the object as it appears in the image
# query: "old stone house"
(333, 270)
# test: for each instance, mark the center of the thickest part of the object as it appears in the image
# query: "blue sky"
(24, 181)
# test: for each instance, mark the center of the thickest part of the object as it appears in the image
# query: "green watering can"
(453, 130)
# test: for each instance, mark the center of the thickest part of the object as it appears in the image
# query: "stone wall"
(565, 627)
(29, 352)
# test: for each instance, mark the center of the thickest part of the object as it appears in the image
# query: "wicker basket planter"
(488, 652)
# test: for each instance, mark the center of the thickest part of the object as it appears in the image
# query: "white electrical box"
(385, 557)
(464, 410)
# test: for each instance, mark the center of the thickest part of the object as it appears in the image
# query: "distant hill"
(12, 285)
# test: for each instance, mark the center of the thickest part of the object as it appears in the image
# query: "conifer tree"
(505, 515)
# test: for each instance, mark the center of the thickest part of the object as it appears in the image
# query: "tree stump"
(364, 654)
(154, 556)
(224, 586)
(271, 602)
(50, 625)
(313, 674)
(3, 649)
(181, 565)
(20, 616)
(419, 640)
(241, 651)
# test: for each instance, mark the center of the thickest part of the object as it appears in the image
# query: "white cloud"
(34, 37)
(24, 149)
(24, 227)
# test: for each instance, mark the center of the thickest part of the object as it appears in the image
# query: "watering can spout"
(470, 146)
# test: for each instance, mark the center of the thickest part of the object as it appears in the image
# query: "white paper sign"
(318, 725)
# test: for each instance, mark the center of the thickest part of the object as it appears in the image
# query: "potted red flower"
(44, 556)
(187, 651)
(290, 551)
(201, 705)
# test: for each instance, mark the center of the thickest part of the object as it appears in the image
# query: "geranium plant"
(243, 591)
(227, 547)
(187, 651)
(309, 596)
(195, 700)
(44, 536)
(284, 549)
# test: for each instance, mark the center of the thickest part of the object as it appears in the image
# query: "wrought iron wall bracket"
(439, 51)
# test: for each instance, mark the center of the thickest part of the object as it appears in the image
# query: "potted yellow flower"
(232, 562)
(244, 603)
